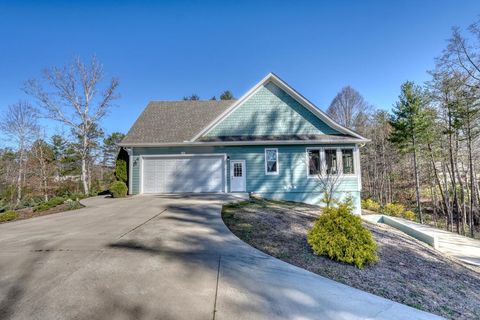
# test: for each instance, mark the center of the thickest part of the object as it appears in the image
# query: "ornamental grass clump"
(338, 234)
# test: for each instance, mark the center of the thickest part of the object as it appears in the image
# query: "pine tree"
(411, 122)
(227, 95)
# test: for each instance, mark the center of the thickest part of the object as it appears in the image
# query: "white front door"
(237, 176)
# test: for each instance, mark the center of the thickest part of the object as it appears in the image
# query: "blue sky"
(163, 50)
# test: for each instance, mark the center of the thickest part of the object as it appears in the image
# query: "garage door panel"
(183, 174)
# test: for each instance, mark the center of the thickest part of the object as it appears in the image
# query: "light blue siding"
(290, 184)
(271, 111)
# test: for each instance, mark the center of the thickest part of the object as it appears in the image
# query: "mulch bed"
(408, 271)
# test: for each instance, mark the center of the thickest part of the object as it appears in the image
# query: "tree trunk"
(434, 203)
(84, 154)
(437, 180)
(417, 180)
(462, 213)
(455, 207)
(472, 178)
(43, 172)
(20, 177)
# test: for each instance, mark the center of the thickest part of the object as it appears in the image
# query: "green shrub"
(121, 170)
(76, 196)
(371, 205)
(53, 202)
(72, 204)
(339, 235)
(41, 207)
(393, 209)
(410, 215)
(118, 189)
(8, 216)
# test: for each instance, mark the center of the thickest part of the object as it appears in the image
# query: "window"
(347, 160)
(331, 161)
(313, 162)
(237, 169)
(271, 161)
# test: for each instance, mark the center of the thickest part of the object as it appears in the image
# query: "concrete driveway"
(158, 257)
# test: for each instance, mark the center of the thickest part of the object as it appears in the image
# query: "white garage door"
(183, 174)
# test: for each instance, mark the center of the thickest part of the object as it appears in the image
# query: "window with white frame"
(271, 161)
(313, 162)
(347, 161)
(330, 161)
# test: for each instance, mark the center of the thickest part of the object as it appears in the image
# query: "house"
(271, 142)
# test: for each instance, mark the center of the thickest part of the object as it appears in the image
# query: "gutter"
(241, 143)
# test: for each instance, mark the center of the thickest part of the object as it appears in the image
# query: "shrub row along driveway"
(161, 258)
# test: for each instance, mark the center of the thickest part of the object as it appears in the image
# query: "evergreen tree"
(411, 122)
(110, 148)
(227, 95)
(193, 97)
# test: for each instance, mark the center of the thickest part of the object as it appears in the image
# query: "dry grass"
(408, 271)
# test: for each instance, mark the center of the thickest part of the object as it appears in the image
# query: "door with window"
(237, 176)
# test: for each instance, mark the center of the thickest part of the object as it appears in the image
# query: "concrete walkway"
(457, 246)
(158, 257)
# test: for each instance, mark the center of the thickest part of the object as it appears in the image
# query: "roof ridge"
(191, 101)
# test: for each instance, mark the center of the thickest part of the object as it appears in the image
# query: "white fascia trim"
(246, 143)
(180, 155)
(234, 106)
(319, 113)
(293, 93)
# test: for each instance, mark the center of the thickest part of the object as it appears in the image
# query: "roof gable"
(270, 111)
(273, 108)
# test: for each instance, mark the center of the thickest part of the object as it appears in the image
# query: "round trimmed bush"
(339, 235)
(118, 189)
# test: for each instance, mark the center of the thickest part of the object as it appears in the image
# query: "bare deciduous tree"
(349, 108)
(71, 95)
(462, 56)
(327, 177)
(19, 123)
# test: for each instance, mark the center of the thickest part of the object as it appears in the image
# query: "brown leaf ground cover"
(408, 271)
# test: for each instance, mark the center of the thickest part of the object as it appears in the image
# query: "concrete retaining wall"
(397, 224)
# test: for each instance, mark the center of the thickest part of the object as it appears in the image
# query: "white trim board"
(271, 77)
(243, 143)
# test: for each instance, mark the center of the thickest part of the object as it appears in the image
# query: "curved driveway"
(158, 257)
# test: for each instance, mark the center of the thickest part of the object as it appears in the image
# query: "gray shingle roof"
(174, 121)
